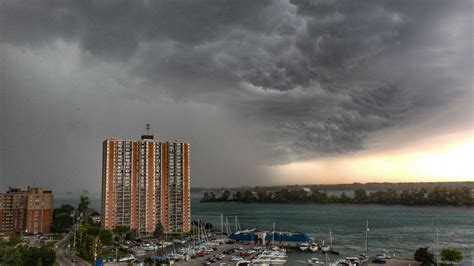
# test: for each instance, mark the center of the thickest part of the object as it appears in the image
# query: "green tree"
(158, 230)
(451, 254)
(12, 255)
(225, 196)
(206, 196)
(84, 203)
(65, 208)
(121, 231)
(425, 257)
(44, 255)
(131, 235)
(62, 218)
(106, 236)
(360, 195)
(213, 196)
(14, 239)
(344, 198)
(237, 195)
(90, 222)
(96, 247)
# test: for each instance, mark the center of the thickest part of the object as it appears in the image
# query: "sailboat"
(329, 249)
(364, 256)
(325, 248)
(313, 247)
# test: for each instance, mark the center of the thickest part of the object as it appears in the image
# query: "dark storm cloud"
(304, 78)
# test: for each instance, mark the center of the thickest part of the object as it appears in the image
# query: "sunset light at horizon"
(438, 159)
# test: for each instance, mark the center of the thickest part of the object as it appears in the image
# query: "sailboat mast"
(330, 237)
(367, 238)
(222, 225)
(437, 247)
(273, 235)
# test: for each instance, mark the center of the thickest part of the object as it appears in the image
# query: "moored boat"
(325, 248)
(303, 246)
(313, 247)
(354, 260)
(315, 261)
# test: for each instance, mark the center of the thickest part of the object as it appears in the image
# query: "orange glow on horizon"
(442, 158)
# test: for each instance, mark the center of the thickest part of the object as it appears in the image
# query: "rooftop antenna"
(148, 134)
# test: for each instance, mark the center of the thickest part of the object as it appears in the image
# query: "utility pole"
(74, 244)
(95, 250)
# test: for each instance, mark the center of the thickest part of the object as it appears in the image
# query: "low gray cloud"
(289, 80)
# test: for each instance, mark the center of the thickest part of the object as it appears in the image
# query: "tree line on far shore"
(453, 196)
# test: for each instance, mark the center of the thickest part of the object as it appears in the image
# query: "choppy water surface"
(398, 230)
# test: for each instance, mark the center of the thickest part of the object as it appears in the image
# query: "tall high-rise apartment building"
(26, 210)
(145, 182)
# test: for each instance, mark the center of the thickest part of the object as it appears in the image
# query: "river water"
(397, 230)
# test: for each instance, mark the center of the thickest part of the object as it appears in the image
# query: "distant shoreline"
(435, 196)
(336, 203)
(341, 187)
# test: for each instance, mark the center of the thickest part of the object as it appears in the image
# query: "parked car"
(200, 254)
(236, 258)
(245, 253)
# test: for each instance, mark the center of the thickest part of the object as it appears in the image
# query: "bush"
(425, 257)
(451, 254)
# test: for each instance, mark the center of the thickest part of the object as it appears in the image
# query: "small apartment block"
(26, 210)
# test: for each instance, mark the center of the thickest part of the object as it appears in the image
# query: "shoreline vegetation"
(433, 196)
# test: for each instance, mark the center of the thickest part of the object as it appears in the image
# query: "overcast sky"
(254, 86)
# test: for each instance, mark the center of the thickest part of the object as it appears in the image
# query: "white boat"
(325, 248)
(315, 261)
(149, 247)
(354, 260)
(344, 262)
(127, 258)
(274, 253)
(363, 257)
(313, 247)
(303, 246)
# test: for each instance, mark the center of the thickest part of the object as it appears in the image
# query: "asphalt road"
(64, 256)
